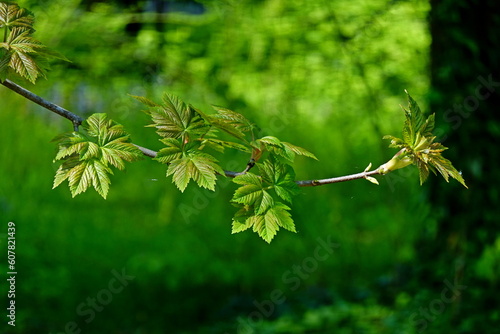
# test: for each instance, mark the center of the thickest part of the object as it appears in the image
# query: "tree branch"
(146, 151)
(363, 175)
(77, 121)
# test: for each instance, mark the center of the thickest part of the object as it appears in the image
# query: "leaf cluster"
(260, 199)
(87, 158)
(187, 133)
(20, 53)
(418, 146)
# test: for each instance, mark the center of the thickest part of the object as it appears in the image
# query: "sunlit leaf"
(19, 52)
(11, 15)
(235, 119)
(230, 122)
(268, 223)
(197, 166)
(174, 118)
(279, 212)
(372, 180)
(219, 145)
(87, 157)
(285, 151)
(172, 151)
(299, 150)
(418, 147)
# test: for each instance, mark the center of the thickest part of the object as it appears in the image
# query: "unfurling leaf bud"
(399, 160)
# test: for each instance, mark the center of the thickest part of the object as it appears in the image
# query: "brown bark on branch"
(75, 119)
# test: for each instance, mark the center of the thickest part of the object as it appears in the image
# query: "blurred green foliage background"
(325, 75)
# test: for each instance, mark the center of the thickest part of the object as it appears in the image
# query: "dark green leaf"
(446, 169)
(281, 177)
(240, 219)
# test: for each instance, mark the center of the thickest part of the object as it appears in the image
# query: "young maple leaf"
(19, 52)
(87, 158)
(418, 147)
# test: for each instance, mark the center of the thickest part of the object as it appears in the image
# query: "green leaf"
(228, 128)
(418, 147)
(240, 219)
(446, 169)
(116, 153)
(273, 145)
(83, 174)
(69, 144)
(174, 118)
(414, 121)
(266, 228)
(284, 150)
(195, 165)
(146, 101)
(252, 193)
(172, 152)
(97, 126)
(270, 141)
(19, 52)
(219, 145)
(279, 212)
(19, 46)
(267, 224)
(235, 119)
(11, 15)
(281, 177)
(298, 150)
(87, 158)
(65, 169)
(248, 178)
(395, 142)
(230, 122)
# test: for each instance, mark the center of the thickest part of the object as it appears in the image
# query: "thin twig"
(313, 183)
(146, 151)
(77, 121)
